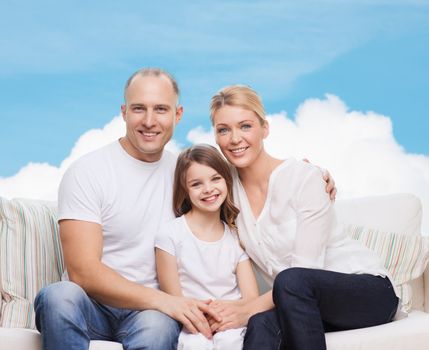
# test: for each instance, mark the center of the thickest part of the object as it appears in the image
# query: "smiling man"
(111, 203)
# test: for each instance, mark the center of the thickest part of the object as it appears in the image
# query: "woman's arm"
(168, 275)
(315, 222)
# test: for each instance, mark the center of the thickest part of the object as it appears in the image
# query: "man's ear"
(123, 111)
(179, 114)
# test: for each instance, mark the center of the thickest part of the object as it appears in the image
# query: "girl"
(198, 254)
(322, 280)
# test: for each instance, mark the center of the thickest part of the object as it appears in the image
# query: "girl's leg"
(231, 339)
(310, 302)
(189, 341)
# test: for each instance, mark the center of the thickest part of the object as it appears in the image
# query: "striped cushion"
(404, 256)
(30, 257)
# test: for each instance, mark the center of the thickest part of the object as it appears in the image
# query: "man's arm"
(82, 244)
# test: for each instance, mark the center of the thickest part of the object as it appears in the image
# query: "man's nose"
(148, 119)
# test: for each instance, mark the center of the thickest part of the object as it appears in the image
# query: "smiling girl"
(198, 254)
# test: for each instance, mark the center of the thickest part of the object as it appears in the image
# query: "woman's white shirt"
(297, 226)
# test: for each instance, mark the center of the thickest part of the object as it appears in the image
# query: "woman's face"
(239, 134)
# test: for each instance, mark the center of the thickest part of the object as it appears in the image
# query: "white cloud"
(41, 180)
(358, 148)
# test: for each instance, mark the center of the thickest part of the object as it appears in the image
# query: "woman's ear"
(266, 129)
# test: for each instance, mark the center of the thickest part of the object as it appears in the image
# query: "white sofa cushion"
(411, 332)
(29, 339)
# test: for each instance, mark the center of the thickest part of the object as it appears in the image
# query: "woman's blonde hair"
(238, 96)
(206, 155)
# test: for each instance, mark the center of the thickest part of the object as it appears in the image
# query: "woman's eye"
(246, 126)
(222, 131)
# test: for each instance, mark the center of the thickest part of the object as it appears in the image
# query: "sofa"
(30, 257)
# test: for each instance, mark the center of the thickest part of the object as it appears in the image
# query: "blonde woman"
(321, 279)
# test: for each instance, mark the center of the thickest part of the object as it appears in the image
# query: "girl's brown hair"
(206, 155)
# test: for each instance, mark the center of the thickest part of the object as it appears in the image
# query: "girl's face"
(207, 190)
(239, 134)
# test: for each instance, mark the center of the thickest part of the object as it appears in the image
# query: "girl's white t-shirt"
(207, 270)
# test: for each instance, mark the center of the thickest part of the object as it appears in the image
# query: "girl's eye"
(217, 178)
(195, 184)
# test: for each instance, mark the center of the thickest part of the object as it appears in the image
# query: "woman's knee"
(293, 281)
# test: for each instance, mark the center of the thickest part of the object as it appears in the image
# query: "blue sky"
(63, 65)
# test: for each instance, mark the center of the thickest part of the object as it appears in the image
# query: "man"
(111, 203)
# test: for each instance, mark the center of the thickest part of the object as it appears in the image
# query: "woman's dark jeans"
(310, 302)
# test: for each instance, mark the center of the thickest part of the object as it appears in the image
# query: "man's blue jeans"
(68, 319)
(310, 302)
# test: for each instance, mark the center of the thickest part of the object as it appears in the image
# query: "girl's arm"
(168, 275)
(246, 280)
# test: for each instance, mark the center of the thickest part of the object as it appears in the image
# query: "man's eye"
(161, 109)
(138, 109)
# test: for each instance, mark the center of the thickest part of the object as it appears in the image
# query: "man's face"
(150, 115)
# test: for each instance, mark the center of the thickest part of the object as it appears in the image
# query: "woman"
(321, 279)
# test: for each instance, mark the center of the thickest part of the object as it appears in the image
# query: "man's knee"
(56, 302)
(59, 295)
(153, 330)
(156, 321)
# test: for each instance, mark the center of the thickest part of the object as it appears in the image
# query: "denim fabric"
(68, 319)
(310, 302)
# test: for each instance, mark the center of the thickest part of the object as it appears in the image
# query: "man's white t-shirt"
(207, 270)
(128, 198)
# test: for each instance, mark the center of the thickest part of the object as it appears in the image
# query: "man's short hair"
(152, 72)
